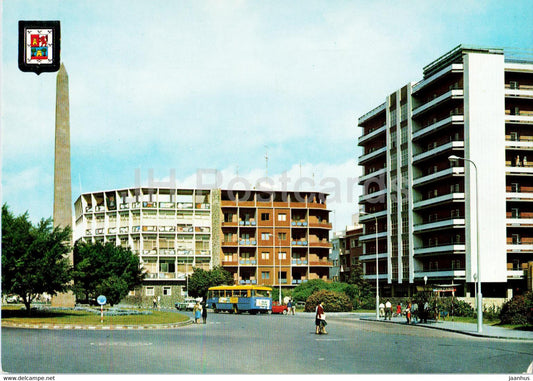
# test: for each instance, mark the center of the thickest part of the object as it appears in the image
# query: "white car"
(187, 304)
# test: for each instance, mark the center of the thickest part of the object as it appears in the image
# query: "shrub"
(332, 301)
(518, 310)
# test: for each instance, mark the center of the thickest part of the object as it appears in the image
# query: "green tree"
(333, 301)
(201, 280)
(34, 258)
(105, 269)
(363, 297)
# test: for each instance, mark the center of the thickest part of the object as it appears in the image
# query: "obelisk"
(62, 183)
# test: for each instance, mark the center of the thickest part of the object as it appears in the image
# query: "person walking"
(415, 312)
(197, 312)
(381, 310)
(399, 310)
(204, 311)
(388, 309)
(408, 313)
(289, 307)
(320, 319)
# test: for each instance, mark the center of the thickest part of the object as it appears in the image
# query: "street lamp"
(454, 159)
(377, 270)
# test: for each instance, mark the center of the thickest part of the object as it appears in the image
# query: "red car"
(279, 308)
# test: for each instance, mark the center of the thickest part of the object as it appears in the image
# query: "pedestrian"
(388, 309)
(204, 311)
(426, 312)
(159, 302)
(399, 310)
(289, 307)
(320, 320)
(197, 312)
(154, 303)
(414, 311)
(381, 310)
(293, 306)
(408, 313)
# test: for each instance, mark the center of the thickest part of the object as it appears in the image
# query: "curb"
(475, 334)
(96, 327)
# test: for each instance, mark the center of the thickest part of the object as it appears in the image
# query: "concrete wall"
(485, 145)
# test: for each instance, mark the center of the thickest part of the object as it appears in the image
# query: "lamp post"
(452, 159)
(377, 269)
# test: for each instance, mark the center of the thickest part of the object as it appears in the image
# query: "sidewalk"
(465, 328)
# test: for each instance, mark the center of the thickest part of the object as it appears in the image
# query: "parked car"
(13, 299)
(186, 305)
(278, 308)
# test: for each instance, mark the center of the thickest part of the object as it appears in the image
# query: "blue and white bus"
(236, 299)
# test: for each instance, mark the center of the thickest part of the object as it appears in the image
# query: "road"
(263, 344)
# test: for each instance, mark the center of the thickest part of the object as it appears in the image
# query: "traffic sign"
(101, 300)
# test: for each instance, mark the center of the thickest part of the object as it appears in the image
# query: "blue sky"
(191, 85)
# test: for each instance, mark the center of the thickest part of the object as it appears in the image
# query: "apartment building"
(472, 103)
(268, 238)
(275, 238)
(350, 250)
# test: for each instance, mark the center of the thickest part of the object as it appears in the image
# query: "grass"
(19, 316)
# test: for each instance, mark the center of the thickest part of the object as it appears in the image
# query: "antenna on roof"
(266, 161)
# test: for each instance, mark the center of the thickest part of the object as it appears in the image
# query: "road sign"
(101, 300)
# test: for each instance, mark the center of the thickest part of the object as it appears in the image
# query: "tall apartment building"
(474, 103)
(261, 237)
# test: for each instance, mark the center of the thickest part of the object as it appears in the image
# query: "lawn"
(57, 317)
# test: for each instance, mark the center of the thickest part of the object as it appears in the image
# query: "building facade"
(260, 237)
(475, 104)
(350, 251)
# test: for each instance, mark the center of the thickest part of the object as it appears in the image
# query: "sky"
(193, 87)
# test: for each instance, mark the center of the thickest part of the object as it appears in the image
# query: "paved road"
(237, 344)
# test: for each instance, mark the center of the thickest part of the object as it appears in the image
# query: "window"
(265, 236)
(514, 136)
(282, 217)
(167, 290)
(149, 291)
(265, 255)
(265, 275)
(515, 187)
(282, 236)
(265, 216)
(515, 213)
(516, 239)
(513, 85)
(282, 255)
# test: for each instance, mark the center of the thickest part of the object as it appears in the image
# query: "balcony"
(454, 119)
(524, 169)
(448, 248)
(450, 197)
(371, 155)
(520, 222)
(371, 113)
(299, 224)
(372, 256)
(438, 225)
(379, 195)
(373, 276)
(453, 68)
(451, 94)
(321, 263)
(519, 248)
(515, 274)
(437, 176)
(372, 236)
(521, 118)
(441, 273)
(526, 92)
(365, 138)
(323, 224)
(519, 196)
(370, 216)
(440, 149)
(519, 143)
(373, 175)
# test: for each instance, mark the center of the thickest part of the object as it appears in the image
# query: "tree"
(364, 297)
(201, 280)
(34, 258)
(333, 301)
(105, 269)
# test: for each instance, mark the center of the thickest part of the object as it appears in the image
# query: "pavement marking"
(331, 339)
(121, 344)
